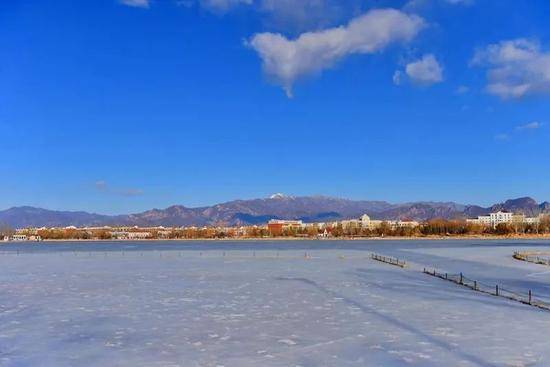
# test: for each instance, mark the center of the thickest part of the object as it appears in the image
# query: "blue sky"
(120, 106)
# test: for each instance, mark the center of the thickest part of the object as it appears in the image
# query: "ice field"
(265, 304)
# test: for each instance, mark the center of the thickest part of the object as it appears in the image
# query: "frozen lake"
(264, 304)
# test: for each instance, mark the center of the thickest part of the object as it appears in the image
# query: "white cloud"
(530, 126)
(516, 68)
(286, 61)
(425, 71)
(222, 6)
(136, 3)
(397, 76)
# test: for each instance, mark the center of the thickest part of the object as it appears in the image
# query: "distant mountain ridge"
(259, 211)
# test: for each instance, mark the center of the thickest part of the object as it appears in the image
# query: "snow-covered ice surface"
(265, 304)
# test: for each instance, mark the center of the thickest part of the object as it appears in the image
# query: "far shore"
(283, 239)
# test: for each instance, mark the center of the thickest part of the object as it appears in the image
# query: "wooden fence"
(389, 260)
(527, 298)
(533, 257)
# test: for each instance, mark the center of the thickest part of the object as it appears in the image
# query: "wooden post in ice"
(475, 285)
(530, 296)
(460, 278)
(496, 290)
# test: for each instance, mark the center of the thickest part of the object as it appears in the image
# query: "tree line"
(434, 227)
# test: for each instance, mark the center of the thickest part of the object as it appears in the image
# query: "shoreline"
(285, 239)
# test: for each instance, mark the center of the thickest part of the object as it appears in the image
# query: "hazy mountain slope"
(258, 211)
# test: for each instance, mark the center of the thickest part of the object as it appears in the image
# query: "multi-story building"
(351, 223)
(277, 226)
(368, 223)
(407, 223)
(18, 237)
(371, 224)
(494, 219)
(139, 235)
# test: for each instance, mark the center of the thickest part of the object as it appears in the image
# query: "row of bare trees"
(434, 227)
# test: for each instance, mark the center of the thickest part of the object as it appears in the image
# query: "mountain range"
(259, 211)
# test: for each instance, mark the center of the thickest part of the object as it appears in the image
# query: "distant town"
(501, 223)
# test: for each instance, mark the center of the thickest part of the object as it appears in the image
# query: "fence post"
(530, 296)
(446, 276)
(496, 290)
(460, 278)
(475, 285)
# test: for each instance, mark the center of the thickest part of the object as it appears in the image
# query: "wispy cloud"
(397, 77)
(103, 187)
(516, 68)
(530, 126)
(416, 5)
(136, 3)
(285, 61)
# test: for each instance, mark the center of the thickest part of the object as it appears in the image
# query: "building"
(351, 223)
(371, 224)
(18, 237)
(407, 224)
(368, 223)
(119, 235)
(494, 219)
(276, 226)
(139, 235)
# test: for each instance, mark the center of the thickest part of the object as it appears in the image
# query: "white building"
(407, 223)
(368, 223)
(138, 235)
(494, 219)
(18, 237)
